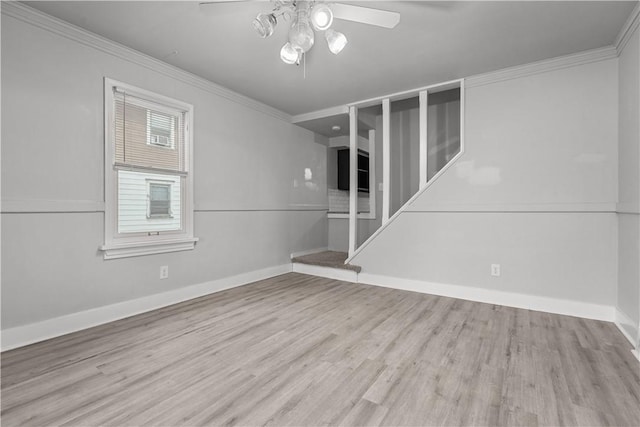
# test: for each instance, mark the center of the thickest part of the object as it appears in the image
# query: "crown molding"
(57, 26)
(558, 63)
(627, 29)
(320, 114)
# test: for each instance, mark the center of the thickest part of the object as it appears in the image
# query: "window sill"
(126, 250)
(363, 215)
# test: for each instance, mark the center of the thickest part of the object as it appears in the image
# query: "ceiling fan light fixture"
(289, 54)
(321, 17)
(264, 24)
(301, 34)
(335, 40)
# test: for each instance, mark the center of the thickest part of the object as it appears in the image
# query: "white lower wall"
(568, 256)
(51, 265)
(61, 325)
(339, 232)
(628, 301)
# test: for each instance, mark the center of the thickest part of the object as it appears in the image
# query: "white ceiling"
(434, 42)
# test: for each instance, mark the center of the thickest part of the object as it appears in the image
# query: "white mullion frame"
(119, 245)
(424, 106)
(386, 159)
(451, 84)
(372, 174)
(353, 179)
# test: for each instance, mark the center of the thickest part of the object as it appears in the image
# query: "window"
(159, 200)
(148, 179)
(161, 129)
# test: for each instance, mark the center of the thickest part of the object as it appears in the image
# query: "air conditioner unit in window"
(160, 140)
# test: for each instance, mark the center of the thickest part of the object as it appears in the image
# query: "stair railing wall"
(424, 181)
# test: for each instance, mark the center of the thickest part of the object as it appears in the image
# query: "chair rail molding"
(51, 206)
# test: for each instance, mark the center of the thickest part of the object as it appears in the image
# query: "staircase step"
(332, 259)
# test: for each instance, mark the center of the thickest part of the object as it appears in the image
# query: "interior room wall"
(628, 301)
(254, 201)
(332, 167)
(534, 191)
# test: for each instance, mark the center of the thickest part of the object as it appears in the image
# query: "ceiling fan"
(307, 16)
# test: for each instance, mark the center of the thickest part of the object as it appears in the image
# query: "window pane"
(159, 200)
(443, 128)
(159, 192)
(161, 129)
(404, 120)
(143, 207)
(147, 137)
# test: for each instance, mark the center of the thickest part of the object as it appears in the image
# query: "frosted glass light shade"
(335, 40)
(289, 54)
(264, 24)
(321, 17)
(301, 34)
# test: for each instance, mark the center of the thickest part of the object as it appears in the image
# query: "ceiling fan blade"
(365, 15)
(206, 3)
(220, 7)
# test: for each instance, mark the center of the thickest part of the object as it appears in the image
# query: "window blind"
(148, 135)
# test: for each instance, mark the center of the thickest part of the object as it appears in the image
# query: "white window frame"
(121, 245)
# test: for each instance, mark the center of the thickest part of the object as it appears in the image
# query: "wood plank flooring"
(301, 350)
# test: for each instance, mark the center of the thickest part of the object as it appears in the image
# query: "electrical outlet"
(495, 270)
(164, 272)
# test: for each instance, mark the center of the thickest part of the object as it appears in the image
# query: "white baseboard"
(629, 329)
(51, 328)
(309, 252)
(327, 272)
(509, 299)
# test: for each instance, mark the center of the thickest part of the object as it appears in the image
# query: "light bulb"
(289, 54)
(264, 24)
(301, 34)
(335, 40)
(321, 17)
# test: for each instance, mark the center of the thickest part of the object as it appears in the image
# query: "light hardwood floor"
(302, 350)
